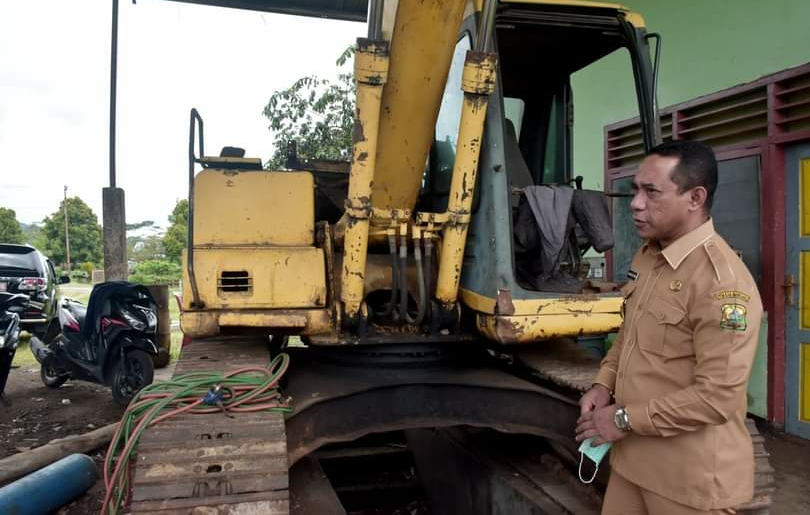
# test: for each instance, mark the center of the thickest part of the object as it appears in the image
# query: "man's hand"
(599, 423)
(597, 397)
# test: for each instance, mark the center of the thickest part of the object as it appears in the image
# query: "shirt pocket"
(660, 330)
(627, 304)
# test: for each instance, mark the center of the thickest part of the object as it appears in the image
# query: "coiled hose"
(245, 390)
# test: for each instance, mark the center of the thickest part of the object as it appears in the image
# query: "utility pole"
(67, 234)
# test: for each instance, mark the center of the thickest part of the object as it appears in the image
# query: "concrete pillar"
(115, 235)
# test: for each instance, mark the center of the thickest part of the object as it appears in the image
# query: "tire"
(131, 374)
(49, 377)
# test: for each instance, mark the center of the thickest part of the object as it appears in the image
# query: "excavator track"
(212, 463)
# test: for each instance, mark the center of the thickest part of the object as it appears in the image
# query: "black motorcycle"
(110, 341)
(11, 305)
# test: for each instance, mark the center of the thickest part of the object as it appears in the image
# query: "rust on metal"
(503, 302)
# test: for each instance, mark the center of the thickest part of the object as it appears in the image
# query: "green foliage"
(144, 249)
(318, 114)
(10, 230)
(84, 230)
(33, 235)
(156, 272)
(174, 241)
(145, 223)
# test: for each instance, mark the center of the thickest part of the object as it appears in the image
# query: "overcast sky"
(54, 94)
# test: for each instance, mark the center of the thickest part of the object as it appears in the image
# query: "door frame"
(793, 341)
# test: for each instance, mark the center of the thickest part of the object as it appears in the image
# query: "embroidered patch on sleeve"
(733, 317)
(732, 294)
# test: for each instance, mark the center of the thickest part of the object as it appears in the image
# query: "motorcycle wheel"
(49, 377)
(131, 374)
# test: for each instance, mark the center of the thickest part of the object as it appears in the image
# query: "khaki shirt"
(680, 365)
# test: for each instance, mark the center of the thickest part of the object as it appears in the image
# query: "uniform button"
(621, 375)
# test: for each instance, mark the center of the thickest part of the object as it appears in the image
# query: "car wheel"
(131, 374)
(49, 376)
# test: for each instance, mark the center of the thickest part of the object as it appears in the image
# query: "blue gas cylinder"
(49, 488)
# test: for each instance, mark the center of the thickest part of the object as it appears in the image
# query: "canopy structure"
(351, 10)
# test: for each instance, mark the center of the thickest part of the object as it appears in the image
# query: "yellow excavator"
(435, 286)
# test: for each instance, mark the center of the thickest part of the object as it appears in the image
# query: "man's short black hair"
(696, 166)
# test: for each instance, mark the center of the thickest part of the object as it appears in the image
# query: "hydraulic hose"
(245, 390)
(403, 283)
(429, 266)
(389, 309)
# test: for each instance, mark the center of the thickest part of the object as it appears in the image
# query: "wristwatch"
(622, 420)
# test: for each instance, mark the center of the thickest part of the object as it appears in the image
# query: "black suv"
(24, 269)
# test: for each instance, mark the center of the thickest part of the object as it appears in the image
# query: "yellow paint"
(804, 200)
(804, 289)
(210, 322)
(533, 328)
(234, 208)
(591, 304)
(370, 69)
(422, 43)
(478, 82)
(633, 18)
(280, 277)
(804, 383)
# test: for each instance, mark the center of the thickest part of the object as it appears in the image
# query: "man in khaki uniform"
(679, 367)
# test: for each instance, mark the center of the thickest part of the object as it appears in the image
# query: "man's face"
(660, 212)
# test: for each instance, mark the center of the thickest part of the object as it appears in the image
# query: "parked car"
(24, 269)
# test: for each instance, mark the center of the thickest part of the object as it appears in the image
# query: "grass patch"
(24, 357)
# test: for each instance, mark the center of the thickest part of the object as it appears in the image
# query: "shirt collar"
(678, 250)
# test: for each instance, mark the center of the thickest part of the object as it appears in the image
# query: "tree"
(318, 114)
(32, 235)
(174, 241)
(84, 232)
(10, 230)
(144, 249)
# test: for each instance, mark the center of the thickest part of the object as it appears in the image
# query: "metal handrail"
(194, 122)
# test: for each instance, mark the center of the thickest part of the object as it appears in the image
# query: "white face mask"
(595, 454)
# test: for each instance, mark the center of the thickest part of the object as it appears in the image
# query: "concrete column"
(115, 235)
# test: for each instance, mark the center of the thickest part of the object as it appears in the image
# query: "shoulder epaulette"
(722, 268)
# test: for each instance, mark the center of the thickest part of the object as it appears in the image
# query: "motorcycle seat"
(79, 312)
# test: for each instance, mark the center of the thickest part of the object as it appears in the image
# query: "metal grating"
(792, 101)
(235, 281)
(774, 105)
(625, 146)
(726, 121)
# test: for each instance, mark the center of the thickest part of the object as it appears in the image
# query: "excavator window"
(436, 187)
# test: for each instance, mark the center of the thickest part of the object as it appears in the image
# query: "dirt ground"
(39, 414)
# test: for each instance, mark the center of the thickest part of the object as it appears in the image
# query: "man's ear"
(697, 198)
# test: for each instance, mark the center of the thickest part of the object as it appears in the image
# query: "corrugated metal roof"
(352, 10)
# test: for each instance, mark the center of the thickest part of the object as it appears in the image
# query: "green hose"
(249, 389)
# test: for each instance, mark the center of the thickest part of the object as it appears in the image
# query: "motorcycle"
(11, 305)
(110, 341)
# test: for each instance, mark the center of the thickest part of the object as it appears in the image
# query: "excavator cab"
(523, 275)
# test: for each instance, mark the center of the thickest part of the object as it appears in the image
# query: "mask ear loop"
(589, 481)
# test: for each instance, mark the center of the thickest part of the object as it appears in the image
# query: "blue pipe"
(49, 488)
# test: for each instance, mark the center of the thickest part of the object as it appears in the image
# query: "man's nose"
(637, 204)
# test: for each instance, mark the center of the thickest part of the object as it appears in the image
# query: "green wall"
(708, 45)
